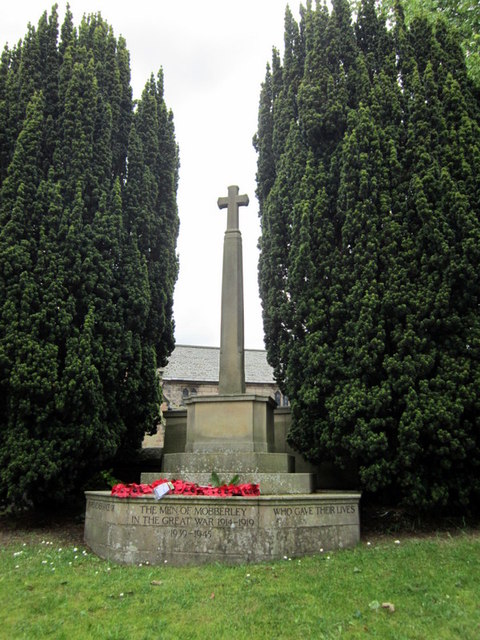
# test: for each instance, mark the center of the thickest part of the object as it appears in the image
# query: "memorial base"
(182, 530)
(270, 483)
(230, 424)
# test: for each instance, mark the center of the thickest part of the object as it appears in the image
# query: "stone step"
(270, 483)
(222, 462)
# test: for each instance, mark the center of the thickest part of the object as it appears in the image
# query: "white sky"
(213, 54)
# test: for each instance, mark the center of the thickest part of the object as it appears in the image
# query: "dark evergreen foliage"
(88, 229)
(463, 15)
(369, 188)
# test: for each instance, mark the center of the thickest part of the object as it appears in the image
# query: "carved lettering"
(149, 509)
(175, 521)
(325, 510)
(197, 517)
(101, 506)
(346, 508)
(221, 511)
(204, 522)
(176, 517)
(319, 510)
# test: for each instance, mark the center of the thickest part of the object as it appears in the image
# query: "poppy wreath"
(180, 487)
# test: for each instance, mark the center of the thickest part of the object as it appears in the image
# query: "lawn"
(416, 588)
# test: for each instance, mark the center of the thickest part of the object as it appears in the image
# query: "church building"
(193, 370)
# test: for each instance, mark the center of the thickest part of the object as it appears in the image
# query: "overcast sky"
(214, 55)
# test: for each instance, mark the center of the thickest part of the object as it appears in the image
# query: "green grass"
(48, 591)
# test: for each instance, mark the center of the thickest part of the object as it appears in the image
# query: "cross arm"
(232, 202)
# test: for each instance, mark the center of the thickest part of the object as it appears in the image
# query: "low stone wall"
(181, 530)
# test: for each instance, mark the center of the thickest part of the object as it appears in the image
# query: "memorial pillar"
(232, 359)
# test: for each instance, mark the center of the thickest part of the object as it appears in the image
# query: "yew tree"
(88, 229)
(368, 182)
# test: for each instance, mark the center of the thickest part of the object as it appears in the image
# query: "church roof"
(201, 364)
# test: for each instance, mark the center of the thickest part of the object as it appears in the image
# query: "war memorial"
(231, 434)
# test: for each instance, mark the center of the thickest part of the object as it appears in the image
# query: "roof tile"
(201, 364)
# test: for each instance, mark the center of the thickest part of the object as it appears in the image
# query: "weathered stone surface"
(225, 462)
(230, 423)
(181, 530)
(232, 358)
(270, 483)
(175, 431)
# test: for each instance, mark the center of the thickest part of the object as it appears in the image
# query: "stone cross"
(232, 358)
(232, 202)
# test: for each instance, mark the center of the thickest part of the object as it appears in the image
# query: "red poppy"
(182, 487)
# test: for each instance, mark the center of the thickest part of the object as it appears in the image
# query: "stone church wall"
(176, 392)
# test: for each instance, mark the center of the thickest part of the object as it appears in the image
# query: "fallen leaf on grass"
(389, 606)
(156, 583)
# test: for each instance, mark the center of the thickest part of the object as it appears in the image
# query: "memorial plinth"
(230, 423)
(181, 530)
(229, 434)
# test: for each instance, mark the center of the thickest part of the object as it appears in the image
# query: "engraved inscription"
(186, 520)
(181, 531)
(101, 506)
(318, 510)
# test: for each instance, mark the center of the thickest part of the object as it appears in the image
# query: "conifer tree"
(463, 15)
(369, 248)
(87, 257)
